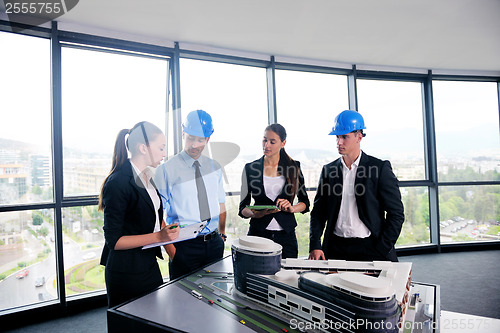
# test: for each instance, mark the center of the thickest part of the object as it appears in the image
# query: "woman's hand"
(170, 248)
(285, 205)
(168, 233)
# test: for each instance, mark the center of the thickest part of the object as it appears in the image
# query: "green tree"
(37, 219)
(43, 231)
(48, 194)
(36, 190)
(484, 207)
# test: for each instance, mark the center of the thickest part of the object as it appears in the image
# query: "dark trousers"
(123, 286)
(287, 240)
(356, 249)
(191, 255)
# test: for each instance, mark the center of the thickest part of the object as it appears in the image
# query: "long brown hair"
(287, 167)
(142, 133)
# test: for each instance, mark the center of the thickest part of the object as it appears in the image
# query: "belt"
(207, 237)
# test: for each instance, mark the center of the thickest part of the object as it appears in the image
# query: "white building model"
(334, 295)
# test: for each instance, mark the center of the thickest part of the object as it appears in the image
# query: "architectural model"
(332, 295)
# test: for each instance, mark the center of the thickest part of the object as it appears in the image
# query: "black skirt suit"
(252, 186)
(128, 210)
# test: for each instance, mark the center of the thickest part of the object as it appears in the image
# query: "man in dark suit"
(359, 199)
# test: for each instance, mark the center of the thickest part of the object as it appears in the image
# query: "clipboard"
(262, 207)
(186, 232)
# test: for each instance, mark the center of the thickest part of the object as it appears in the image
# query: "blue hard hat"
(198, 123)
(346, 122)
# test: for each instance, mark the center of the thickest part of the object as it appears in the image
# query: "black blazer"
(252, 186)
(377, 197)
(128, 210)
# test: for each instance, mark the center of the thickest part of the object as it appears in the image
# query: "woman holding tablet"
(274, 181)
(133, 215)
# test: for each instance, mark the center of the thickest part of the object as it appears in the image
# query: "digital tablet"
(186, 232)
(262, 207)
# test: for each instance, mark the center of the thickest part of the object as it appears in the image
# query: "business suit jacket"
(377, 197)
(128, 210)
(252, 186)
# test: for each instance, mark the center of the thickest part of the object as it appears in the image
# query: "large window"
(236, 98)
(467, 136)
(469, 213)
(468, 150)
(83, 242)
(27, 258)
(393, 116)
(103, 93)
(25, 160)
(416, 229)
(307, 104)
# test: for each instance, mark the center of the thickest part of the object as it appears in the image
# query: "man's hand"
(317, 255)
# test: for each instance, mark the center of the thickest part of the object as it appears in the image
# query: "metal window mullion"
(498, 101)
(167, 104)
(114, 45)
(431, 159)
(272, 114)
(222, 58)
(176, 99)
(352, 89)
(57, 159)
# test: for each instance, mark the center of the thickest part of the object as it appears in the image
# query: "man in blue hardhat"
(359, 199)
(192, 191)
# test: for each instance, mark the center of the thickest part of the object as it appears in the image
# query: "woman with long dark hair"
(274, 179)
(133, 214)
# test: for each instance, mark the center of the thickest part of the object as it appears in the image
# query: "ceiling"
(461, 36)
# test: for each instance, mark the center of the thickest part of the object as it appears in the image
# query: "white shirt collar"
(148, 172)
(188, 159)
(355, 163)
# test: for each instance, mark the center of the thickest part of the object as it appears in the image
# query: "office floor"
(469, 284)
(469, 281)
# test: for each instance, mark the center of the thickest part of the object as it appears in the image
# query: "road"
(467, 227)
(16, 292)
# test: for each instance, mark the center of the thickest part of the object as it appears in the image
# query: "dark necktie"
(202, 194)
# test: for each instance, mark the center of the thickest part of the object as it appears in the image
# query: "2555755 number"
(462, 323)
(33, 8)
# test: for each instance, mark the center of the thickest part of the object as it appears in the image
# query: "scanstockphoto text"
(357, 325)
(361, 324)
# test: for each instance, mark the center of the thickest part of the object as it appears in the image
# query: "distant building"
(40, 170)
(9, 156)
(84, 176)
(12, 182)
